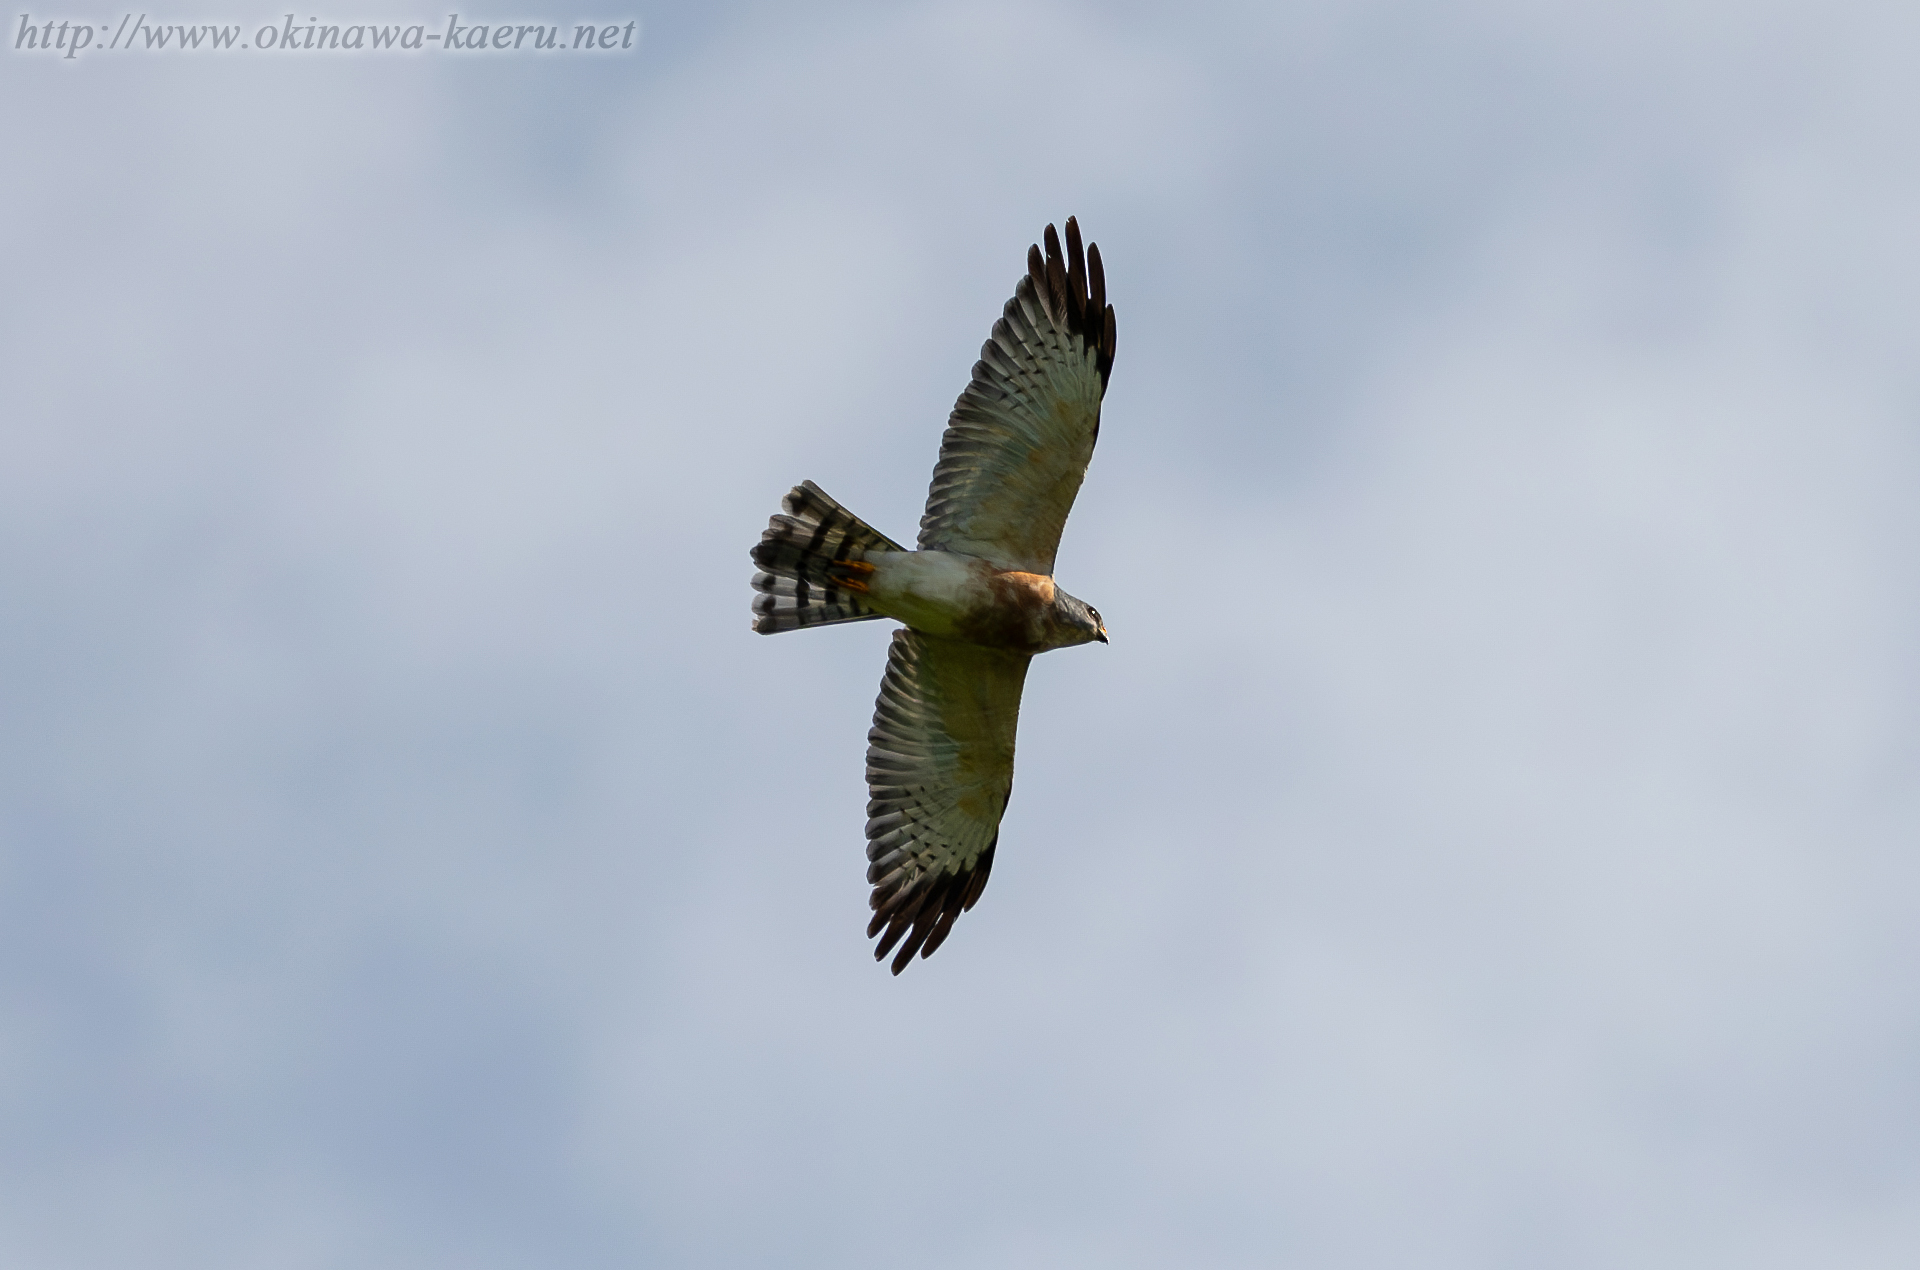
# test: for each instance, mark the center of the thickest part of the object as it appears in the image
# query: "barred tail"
(814, 562)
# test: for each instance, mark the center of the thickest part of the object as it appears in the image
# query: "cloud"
(1484, 841)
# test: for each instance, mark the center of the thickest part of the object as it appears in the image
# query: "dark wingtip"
(919, 921)
(1107, 345)
(1059, 299)
(1076, 273)
(1072, 284)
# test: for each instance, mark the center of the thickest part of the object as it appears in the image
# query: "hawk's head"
(1075, 621)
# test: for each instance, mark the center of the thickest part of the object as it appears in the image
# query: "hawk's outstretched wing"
(1019, 438)
(939, 771)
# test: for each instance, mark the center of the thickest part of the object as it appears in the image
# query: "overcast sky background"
(1488, 842)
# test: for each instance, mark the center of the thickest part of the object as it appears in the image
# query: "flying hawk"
(977, 596)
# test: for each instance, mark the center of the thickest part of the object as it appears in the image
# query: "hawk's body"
(977, 598)
(962, 597)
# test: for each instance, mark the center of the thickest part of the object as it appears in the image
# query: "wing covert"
(939, 772)
(1020, 436)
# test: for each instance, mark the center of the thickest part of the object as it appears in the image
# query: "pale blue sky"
(1489, 840)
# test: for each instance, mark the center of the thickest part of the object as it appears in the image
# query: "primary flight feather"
(977, 597)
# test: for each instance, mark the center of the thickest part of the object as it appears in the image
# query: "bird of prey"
(977, 597)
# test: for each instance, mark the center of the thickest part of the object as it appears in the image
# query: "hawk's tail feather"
(810, 556)
(787, 604)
